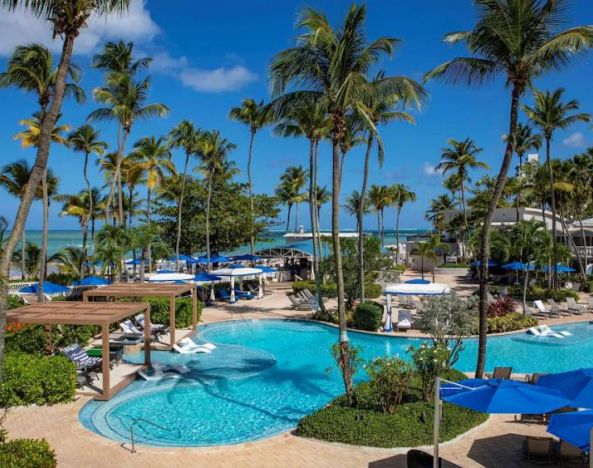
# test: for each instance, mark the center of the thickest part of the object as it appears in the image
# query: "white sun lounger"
(188, 346)
(163, 371)
(404, 320)
(544, 330)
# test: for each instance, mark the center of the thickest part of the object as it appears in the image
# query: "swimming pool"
(265, 375)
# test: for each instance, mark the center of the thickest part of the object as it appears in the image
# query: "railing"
(139, 420)
(581, 250)
(14, 288)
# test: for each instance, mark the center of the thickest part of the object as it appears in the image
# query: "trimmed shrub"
(367, 316)
(510, 322)
(41, 380)
(27, 453)
(430, 362)
(535, 293)
(589, 287)
(389, 381)
(327, 290)
(26, 339)
(372, 290)
(159, 311)
(502, 306)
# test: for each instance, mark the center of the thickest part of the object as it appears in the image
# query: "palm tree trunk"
(464, 228)
(485, 235)
(43, 255)
(584, 242)
(47, 125)
(288, 217)
(317, 235)
(23, 255)
(399, 210)
(296, 216)
(179, 211)
(208, 202)
(525, 289)
(422, 265)
(131, 222)
(572, 243)
(90, 214)
(342, 161)
(312, 213)
(148, 213)
(250, 192)
(553, 206)
(360, 220)
(344, 347)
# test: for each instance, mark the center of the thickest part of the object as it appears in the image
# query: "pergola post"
(194, 308)
(105, 361)
(147, 335)
(171, 319)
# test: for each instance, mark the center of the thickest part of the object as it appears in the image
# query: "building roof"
(74, 313)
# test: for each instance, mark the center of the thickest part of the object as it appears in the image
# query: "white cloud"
(576, 140)
(22, 27)
(429, 170)
(217, 80)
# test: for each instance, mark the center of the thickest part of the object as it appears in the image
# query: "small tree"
(448, 319)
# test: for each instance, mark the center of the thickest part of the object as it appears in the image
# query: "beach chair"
(570, 455)
(558, 307)
(84, 363)
(574, 307)
(308, 293)
(224, 295)
(158, 371)
(404, 320)
(130, 328)
(188, 346)
(299, 304)
(541, 310)
(243, 294)
(590, 304)
(156, 329)
(501, 373)
(539, 449)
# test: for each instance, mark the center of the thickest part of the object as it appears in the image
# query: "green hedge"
(367, 316)
(410, 426)
(159, 311)
(372, 290)
(536, 293)
(32, 379)
(510, 322)
(27, 453)
(15, 301)
(327, 290)
(32, 339)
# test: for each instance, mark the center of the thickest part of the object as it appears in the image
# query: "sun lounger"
(558, 308)
(161, 371)
(78, 356)
(538, 448)
(501, 373)
(571, 455)
(541, 309)
(188, 346)
(298, 304)
(308, 293)
(224, 295)
(243, 294)
(575, 308)
(590, 304)
(404, 320)
(156, 329)
(129, 328)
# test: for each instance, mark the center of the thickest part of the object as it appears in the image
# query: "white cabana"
(406, 289)
(170, 277)
(233, 273)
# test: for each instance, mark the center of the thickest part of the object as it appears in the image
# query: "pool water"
(265, 375)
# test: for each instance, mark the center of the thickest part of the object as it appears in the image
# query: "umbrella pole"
(590, 448)
(437, 422)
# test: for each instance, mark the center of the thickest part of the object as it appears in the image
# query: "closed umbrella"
(576, 428)
(576, 385)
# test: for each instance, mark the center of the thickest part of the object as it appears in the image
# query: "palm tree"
(67, 20)
(439, 206)
(333, 63)
(255, 116)
(550, 114)
(525, 140)
(460, 157)
(14, 178)
(118, 57)
(185, 135)
(154, 156)
(517, 40)
(431, 249)
(30, 138)
(85, 139)
(352, 206)
(79, 206)
(380, 197)
(70, 259)
(132, 171)
(289, 191)
(125, 102)
(322, 196)
(112, 244)
(401, 195)
(213, 150)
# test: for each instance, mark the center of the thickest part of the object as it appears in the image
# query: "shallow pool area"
(265, 375)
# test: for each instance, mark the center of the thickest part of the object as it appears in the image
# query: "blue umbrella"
(559, 268)
(519, 266)
(576, 385)
(417, 281)
(504, 397)
(48, 288)
(203, 276)
(575, 428)
(213, 259)
(134, 262)
(246, 258)
(477, 263)
(165, 270)
(182, 258)
(92, 281)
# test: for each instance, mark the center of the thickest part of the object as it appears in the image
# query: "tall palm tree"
(460, 157)
(256, 116)
(431, 249)
(14, 178)
(525, 140)
(290, 191)
(66, 20)
(118, 57)
(549, 113)
(213, 150)
(185, 135)
(352, 207)
(30, 138)
(332, 62)
(154, 156)
(401, 195)
(439, 206)
(380, 197)
(85, 139)
(78, 205)
(322, 196)
(125, 102)
(517, 40)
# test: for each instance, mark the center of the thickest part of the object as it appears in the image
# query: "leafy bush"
(562, 295)
(510, 322)
(400, 267)
(429, 362)
(372, 290)
(454, 265)
(41, 380)
(27, 453)
(589, 287)
(159, 311)
(61, 278)
(32, 339)
(389, 381)
(535, 293)
(502, 306)
(327, 290)
(15, 301)
(367, 316)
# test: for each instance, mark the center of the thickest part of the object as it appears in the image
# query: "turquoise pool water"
(265, 375)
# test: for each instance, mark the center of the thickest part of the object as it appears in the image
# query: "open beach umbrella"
(417, 281)
(204, 277)
(170, 277)
(477, 263)
(576, 428)
(92, 281)
(519, 266)
(182, 258)
(245, 258)
(134, 262)
(48, 288)
(559, 268)
(577, 385)
(213, 259)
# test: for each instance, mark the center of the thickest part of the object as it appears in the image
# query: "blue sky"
(211, 55)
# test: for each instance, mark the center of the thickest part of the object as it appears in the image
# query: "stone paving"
(496, 443)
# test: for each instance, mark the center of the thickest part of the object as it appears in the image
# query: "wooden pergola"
(85, 313)
(140, 290)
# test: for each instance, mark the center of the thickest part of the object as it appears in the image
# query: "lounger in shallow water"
(544, 330)
(161, 371)
(188, 346)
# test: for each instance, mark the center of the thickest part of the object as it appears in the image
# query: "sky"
(209, 56)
